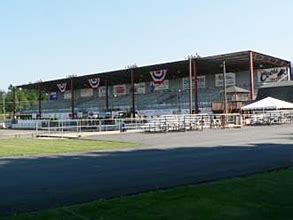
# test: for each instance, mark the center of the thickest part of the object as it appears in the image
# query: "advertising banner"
(67, 95)
(230, 79)
(102, 91)
(139, 88)
(163, 86)
(86, 92)
(53, 96)
(201, 82)
(272, 74)
(119, 90)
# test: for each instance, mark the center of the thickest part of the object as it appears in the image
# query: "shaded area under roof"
(235, 62)
(235, 89)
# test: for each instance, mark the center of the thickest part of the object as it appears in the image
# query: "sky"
(51, 39)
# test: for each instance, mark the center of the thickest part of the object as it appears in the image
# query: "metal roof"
(277, 84)
(235, 62)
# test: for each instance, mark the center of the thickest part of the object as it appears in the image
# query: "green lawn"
(266, 196)
(30, 147)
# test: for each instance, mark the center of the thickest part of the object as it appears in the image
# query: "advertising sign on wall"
(272, 74)
(102, 91)
(185, 83)
(86, 92)
(119, 90)
(139, 88)
(201, 82)
(163, 86)
(67, 95)
(230, 79)
(53, 96)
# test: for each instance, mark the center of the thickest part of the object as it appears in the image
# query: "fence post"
(165, 124)
(184, 124)
(37, 127)
(62, 129)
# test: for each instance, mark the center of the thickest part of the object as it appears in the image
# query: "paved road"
(180, 158)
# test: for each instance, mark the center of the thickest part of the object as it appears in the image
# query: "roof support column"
(251, 75)
(225, 86)
(289, 71)
(107, 95)
(132, 92)
(14, 103)
(72, 98)
(195, 86)
(190, 85)
(39, 102)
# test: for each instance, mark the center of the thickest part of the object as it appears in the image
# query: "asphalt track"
(162, 161)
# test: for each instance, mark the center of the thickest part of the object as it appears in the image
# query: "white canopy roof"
(268, 103)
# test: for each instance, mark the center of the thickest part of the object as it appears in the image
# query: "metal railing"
(268, 118)
(164, 123)
(87, 125)
(188, 122)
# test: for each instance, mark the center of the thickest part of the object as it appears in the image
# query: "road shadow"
(29, 184)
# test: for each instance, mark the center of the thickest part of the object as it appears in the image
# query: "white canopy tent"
(268, 103)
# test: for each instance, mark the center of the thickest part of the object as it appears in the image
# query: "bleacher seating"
(173, 98)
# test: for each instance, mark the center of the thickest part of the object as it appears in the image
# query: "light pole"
(132, 68)
(190, 58)
(179, 101)
(224, 85)
(3, 105)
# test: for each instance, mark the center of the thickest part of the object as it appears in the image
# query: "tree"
(24, 99)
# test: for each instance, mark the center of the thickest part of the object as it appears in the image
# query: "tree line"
(24, 99)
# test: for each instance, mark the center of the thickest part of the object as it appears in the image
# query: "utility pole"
(224, 85)
(190, 83)
(14, 103)
(131, 68)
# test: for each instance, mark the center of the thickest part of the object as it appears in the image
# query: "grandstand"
(155, 89)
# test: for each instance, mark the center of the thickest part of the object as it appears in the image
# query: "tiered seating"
(151, 100)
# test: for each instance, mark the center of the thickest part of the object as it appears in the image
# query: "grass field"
(31, 147)
(265, 196)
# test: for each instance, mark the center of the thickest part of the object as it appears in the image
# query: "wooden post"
(190, 85)
(39, 102)
(14, 102)
(195, 86)
(72, 98)
(107, 95)
(289, 71)
(251, 75)
(132, 92)
(225, 86)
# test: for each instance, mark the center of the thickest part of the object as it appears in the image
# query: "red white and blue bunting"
(158, 76)
(62, 87)
(94, 82)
